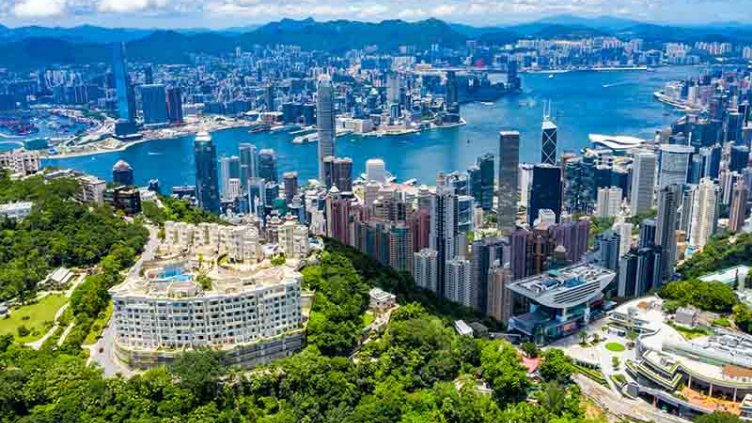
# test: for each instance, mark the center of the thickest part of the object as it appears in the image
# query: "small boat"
(550, 76)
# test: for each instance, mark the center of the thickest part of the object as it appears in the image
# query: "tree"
(198, 372)
(718, 417)
(583, 337)
(530, 349)
(555, 366)
(501, 368)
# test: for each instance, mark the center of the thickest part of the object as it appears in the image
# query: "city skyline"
(238, 14)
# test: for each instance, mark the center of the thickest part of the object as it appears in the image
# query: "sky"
(234, 13)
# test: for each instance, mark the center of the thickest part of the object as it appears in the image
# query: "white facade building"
(643, 181)
(425, 268)
(609, 202)
(20, 161)
(704, 213)
(458, 271)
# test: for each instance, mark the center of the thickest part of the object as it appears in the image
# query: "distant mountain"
(78, 34)
(35, 46)
(344, 35)
(604, 23)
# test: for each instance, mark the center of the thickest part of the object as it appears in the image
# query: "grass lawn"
(38, 318)
(691, 333)
(615, 347)
(368, 318)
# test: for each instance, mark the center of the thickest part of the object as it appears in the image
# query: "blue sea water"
(582, 103)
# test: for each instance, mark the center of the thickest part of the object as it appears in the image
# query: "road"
(621, 407)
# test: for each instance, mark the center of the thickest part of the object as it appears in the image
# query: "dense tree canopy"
(721, 252)
(60, 231)
(709, 296)
(177, 211)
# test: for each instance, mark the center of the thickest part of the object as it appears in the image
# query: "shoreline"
(128, 144)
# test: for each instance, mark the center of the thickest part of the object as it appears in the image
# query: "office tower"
(674, 164)
(458, 272)
(711, 161)
(546, 191)
(548, 139)
(232, 191)
(624, 229)
(739, 207)
(643, 182)
(207, 184)
(500, 299)
(376, 170)
(325, 120)
(606, 251)
(267, 164)
(175, 105)
(484, 253)
(269, 98)
(122, 173)
(704, 213)
(481, 181)
(392, 88)
(738, 158)
(290, 182)
(229, 168)
(148, 75)
(639, 272)
(153, 104)
(452, 93)
(465, 209)
(648, 229)
(248, 163)
(126, 102)
(579, 185)
(338, 172)
(669, 198)
(509, 159)
(425, 268)
(444, 231)
(609, 202)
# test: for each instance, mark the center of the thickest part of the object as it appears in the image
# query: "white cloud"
(39, 8)
(131, 6)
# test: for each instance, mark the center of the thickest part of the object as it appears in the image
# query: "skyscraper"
(425, 264)
(458, 281)
(175, 105)
(376, 170)
(207, 184)
(609, 202)
(267, 165)
(643, 182)
(338, 172)
(290, 181)
(674, 165)
(738, 212)
(509, 160)
(548, 139)
(325, 120)
(229, 168)
(546, 191)
(669, 198)
(153, 104)
(125, 102)
(484, 253)
(122, 173)
(606, 251)
(248, 163)
(704, 213)
(482, 181)
(444, 231)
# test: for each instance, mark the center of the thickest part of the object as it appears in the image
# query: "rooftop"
(566, 287)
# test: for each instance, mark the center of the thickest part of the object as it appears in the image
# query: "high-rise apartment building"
(154, 104)
(704, 213)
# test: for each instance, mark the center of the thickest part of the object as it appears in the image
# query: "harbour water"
(582, 103)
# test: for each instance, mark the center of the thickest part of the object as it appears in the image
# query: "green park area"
(615, 347)
(30, 322)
